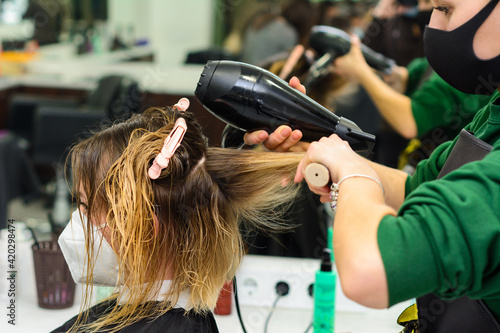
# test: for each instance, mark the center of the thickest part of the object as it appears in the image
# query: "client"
(163, 224)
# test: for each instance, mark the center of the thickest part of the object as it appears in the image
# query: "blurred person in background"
(327, 10)
(270, 33)
(397, 27)
(47, 17)
(414, 101)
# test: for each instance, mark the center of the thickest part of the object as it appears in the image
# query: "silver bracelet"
(334, 188)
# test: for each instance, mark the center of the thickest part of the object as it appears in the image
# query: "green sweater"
(436, 104)
(446, 237)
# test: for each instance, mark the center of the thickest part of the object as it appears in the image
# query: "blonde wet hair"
(200, 200)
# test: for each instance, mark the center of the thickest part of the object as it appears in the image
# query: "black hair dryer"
(326, 39)
(250, 98)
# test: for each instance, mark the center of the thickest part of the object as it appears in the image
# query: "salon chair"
(56, 127)
(116, 96)
(42, 130)
(21, 111)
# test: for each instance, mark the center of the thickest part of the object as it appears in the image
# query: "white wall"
(174, 27)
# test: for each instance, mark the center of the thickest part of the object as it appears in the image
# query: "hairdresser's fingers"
(254, 138)
(295, 83)
(325, 198)
(292, 143)
(355, 44)
(357, 55)
(323, 191)
(283, 139)
(278, 137)
(333, 138)
(352, 65)
(299, 147)
(300, 172)
(299, 176)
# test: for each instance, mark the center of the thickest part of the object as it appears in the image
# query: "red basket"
(54, 284)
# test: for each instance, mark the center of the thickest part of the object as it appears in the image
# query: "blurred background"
(67, 65)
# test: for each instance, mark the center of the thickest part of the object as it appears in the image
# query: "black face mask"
(451, 54)
(423, 18)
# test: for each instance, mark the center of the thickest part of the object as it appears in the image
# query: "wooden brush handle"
(317, 174)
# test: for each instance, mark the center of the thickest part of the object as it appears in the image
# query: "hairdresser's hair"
(199, 200)
(301, 14)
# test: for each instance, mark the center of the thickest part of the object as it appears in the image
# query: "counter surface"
(57, 67)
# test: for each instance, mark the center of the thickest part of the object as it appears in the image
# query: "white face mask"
(72, 244)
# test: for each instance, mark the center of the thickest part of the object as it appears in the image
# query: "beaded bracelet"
(334, 188)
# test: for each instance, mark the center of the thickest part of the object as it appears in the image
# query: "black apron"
(463, 314)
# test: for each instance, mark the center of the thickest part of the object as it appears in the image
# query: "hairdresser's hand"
(335, 154)
(398, 79)
(352, 65)
(283, 138)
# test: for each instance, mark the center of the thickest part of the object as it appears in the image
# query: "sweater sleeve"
(429, 169)
(446, 237)
(437, 104)
(416, 70)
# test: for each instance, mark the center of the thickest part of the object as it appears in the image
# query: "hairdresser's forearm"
(361, 207)
(392, 105)
(393, 181)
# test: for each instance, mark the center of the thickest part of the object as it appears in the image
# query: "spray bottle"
(324, 295)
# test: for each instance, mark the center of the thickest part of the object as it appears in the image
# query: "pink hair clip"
(172, 142)
(182, 104)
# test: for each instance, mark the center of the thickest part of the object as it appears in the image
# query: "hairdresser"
(434, 236)
(269, 34)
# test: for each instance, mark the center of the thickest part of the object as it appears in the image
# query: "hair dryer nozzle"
(250, 98)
